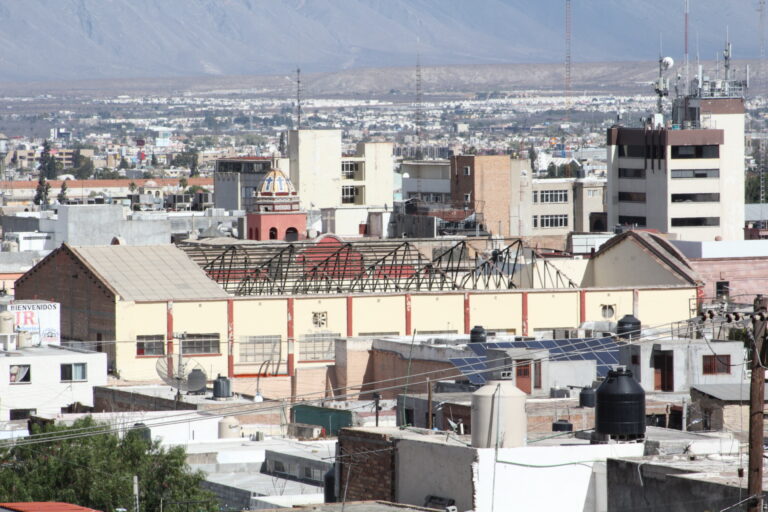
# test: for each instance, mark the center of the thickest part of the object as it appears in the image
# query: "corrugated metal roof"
(725, 392)
(153, 272)
(44, 506)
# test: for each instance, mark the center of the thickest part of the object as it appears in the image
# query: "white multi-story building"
(48, 378)
(325, 178)
(684, 176)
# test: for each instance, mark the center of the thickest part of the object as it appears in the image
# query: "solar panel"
(469, 366)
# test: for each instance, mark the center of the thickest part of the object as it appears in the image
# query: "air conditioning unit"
(506, 374)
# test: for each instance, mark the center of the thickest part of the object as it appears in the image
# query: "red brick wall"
(367, 463)
(87, 306)
(392, 368)
(746, 276)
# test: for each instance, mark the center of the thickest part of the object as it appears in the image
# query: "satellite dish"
(667, 63)
(183, 374)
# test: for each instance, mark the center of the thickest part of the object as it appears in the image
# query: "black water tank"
(329, 486)
(587, 397)
(562, 426)
(620, 407)
(477, 334)
(628, 328)
(222, 387)
(142, 431)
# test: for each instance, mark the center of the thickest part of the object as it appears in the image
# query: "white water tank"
(23, 339)
(498, 416)
(229, 427)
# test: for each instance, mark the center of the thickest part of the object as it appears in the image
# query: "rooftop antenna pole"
(567, 60)
(727, 55)
(687, 73)
(298, 98)
(419, 118)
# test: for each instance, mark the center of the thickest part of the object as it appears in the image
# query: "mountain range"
(57, 40)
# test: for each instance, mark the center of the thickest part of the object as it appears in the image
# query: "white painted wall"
(46, 392)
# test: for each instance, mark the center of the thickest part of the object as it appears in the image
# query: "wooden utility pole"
(756, 405)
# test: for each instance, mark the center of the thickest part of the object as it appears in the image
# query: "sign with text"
(42, 320)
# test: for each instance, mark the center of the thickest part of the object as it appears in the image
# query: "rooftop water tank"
(222, 388)
(229, 427)
(498, 403)
(562, 426)
(628, 328)
(587, 397)
(477, 334)
(196, 381)
(620, 407)
(6, 322)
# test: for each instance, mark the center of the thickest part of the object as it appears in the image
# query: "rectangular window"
(72, 372)
(348, 194)
(20, 374)
(631, 173)
(535, 196)
(554, 221)
(632, 151)
(467, 198)
(535, 221)
(200, 343)
(150, 345)
(467, 170)
(722, 289)
(632, 197)
(593, 192)
(631, 220)
(348, 170)
(537, 374)
(258, 349)
(553, 196)
(714, 364)
(318, 346)
(696, 198)
(635, 359)
(706, 151)
(695, 173)
(22, 414)
(685, 222)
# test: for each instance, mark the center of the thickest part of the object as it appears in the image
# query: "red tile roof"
(45, 506)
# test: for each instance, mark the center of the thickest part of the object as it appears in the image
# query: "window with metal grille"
(348, 170)
(554, 221)
(715, 364)
(553, 196)
(317, 346)
(150, 345)
(200, 343)
(257, 349)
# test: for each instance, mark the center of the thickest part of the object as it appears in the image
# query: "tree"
(183, 182)
(84, 170)
(281, 144)
(48, 164)
(97, 471)
(42, 191)
(132, 187)
(62, 197)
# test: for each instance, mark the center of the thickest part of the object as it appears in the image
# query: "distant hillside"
(55, 40)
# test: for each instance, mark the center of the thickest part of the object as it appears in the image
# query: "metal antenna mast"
(567, 60)
(419, 114)
(687, 71)
(298, 98)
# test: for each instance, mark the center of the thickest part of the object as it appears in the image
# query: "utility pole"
(136, 493)
(756, 404)
(377, 407)
(429, 402)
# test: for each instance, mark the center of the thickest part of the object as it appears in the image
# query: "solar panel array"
(604, 351)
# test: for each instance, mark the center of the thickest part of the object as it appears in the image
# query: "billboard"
(42, 320)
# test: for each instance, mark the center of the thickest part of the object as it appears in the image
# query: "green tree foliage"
(84, 168)
(97, 471)
(42, 191)
(62, 196)
(187, 159)
(183, 182)
(48, 164)
(752, 188)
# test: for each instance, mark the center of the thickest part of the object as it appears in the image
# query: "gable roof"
(660, 249)
(150, 272)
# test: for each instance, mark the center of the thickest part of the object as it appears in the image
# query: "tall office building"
(684, 175)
